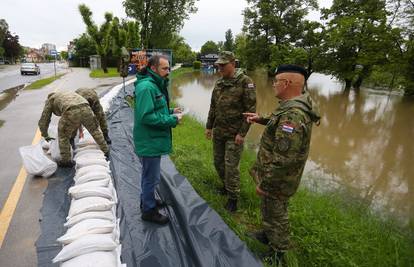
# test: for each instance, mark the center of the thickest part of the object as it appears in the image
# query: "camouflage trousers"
(276, 222)
(226, 161)
(70, 122)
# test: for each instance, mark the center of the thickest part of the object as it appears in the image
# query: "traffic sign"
(53, 52)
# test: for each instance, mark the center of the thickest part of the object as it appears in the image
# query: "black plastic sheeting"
(196, 235)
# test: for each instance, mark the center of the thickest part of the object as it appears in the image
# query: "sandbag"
(91, 176)
(108, 215)
(89, 226)
(36, 162)
(87, 147)
(79, 191)
(86, 244)
(83, 162)
(91, 153)
(93, 168)
(94, 259)
(86, 204)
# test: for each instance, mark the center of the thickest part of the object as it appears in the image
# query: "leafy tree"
(64, 55)
(357, 39)
(12, 47)
(84, 46)
(240, 46)
(229, 42)
(119, 38)
(132, 28)
(220, 46)
(209, 47)
(159, 19)
(4, 27)
(101, 36)
(310, 40)
(181, 50)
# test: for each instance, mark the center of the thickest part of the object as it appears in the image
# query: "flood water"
(364, 144)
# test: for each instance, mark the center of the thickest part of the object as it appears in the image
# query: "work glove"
(48, 138)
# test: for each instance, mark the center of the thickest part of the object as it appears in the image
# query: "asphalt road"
(20, 125)
(10, 74)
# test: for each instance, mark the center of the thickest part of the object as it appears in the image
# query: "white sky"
(58, 21)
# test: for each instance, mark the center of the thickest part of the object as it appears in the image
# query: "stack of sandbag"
(36, 162)
(92, 236)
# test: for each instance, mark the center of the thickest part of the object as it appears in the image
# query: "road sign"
(53, 52)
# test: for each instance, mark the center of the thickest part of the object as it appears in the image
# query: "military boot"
(154, 216)
(107, 139)
(158, 204)
(66, 164)
(231, 205)
(260, 236)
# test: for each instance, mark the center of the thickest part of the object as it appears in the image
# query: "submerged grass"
(99, 73)
(43, 82)
(327, 229)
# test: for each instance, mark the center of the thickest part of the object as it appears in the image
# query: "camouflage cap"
(291, 68)
(225, 57)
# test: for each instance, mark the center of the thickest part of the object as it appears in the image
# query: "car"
(27, 68)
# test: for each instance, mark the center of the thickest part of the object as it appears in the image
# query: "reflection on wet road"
(364, 143)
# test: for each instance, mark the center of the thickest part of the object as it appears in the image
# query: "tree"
(101, 36)
(357, 39)
(84, 46)
(229, 41)
(159, 19)
(64, 55)
(240, 46)
(270, 23)
(181, 50)
(4, 27)
(310, 40)
(209, 47)
(132, 28)
(12, 47)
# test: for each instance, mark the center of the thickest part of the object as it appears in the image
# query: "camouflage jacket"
(57, 103)
(93, 100)
(230, 98)
(284, 146)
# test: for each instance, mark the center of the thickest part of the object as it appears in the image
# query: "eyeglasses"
(275, 81)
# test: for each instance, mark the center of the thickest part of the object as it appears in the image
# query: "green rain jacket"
(153, 119)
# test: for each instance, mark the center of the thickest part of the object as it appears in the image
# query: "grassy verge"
(43, 82)
(99, 73)
(327, 230)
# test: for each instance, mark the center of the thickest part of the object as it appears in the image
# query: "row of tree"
(356, 40)
(9, 44)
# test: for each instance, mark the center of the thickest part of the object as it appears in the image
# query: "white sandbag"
(45, 144)
(86, 204)
(86, 244)
(91, 176)
(80, 163)
(94, 259)
(104, 215)
(85, 227)
(91, 153)
(36, 162)
(87, 147)
(79, 191)
(94, 168)
(94, 184)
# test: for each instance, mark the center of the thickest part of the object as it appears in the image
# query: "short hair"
(155, 60)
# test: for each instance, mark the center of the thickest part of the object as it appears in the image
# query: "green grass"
(43, 82)
(327, 229)
(99, 73)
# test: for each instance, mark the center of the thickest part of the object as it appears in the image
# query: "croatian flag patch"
(287, 128)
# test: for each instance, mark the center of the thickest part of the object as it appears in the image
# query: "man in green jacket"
(284, 149)
(152, 131)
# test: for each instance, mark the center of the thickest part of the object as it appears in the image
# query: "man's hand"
(209, 134)
(260, 192)
(179, 117)
(177, 110)
(239, 140)
(81, 135)
(251, 117)
(48, 138)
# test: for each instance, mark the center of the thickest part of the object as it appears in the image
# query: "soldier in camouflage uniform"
(282, 155)
(74, 111)
(93, 99)
(233, 94)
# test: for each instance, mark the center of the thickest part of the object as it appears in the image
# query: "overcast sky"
(58, 21)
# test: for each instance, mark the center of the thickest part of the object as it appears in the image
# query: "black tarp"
(196, 235)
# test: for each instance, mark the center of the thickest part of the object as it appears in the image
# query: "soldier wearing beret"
(233, 94)
(282, 155)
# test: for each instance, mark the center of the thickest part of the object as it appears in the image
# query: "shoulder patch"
(289, 128)
(250, 85)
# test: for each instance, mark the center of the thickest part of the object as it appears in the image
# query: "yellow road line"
(13, 198)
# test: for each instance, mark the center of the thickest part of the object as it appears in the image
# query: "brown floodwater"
(364, 144)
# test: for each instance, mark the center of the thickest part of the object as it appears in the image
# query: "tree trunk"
(348, 83)
(104, 64)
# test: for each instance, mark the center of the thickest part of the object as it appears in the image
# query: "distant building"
(208, 59)
(34, 55)
(47, 48)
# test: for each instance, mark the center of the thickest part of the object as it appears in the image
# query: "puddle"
(8, 96)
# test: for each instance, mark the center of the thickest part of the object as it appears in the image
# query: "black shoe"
(260, 236)
(231, 205)
(154, 216)
(158, 204)
(107, 139)
(66, 164)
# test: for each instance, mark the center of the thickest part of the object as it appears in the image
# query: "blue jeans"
(150, 178)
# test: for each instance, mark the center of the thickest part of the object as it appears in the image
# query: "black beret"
(292, 68)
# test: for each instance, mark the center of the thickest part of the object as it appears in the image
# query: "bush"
(197, 65)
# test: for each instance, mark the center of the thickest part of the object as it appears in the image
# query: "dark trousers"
(150, 178)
